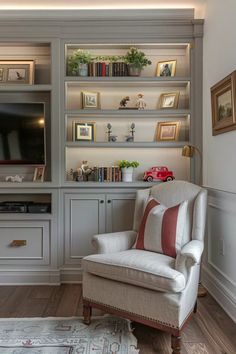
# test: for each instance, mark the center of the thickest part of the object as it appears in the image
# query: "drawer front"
(24, 242)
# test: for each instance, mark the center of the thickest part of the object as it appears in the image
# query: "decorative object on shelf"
(127, 168)
(84, 131)
(17, 72)
(223, 101)
(123, 102)
(111, 138)
(169, 100)
(136, 60)
(15, 178)
(158, 173)
(190, 151)
(140, 103)
(83, 172)
(78, 63)
(130, 137)
(168, 131)
(166, 68)
(90, 100)
(39, 174)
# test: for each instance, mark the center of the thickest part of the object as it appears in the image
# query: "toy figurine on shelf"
(111, 138)
(123, 102)
(140, 103)
(130, 137)
(158, 173)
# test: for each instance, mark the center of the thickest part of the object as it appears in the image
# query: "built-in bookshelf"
(112, 83)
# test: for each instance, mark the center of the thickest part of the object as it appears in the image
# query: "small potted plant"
(127, 168)
(78, 62)
(136, 60)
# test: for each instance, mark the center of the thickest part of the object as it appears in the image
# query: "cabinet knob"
(101, 201)
(109, 201)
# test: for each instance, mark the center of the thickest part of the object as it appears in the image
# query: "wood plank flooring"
(210, 332)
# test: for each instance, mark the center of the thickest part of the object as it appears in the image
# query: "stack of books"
(107, 69)
(107, 174)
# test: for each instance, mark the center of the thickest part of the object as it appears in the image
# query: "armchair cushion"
(161, 229)
(138, 267)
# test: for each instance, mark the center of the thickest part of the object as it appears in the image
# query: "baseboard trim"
(30, 277)
(71, 275)
(224, 297)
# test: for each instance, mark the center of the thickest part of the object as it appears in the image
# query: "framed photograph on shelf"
(223, 101)
(168, 131)
(166, 68)
(169, 100)
(84, 131)
(39, 174)
(17, 72)
(90, 100)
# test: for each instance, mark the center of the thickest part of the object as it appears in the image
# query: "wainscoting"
(218, 270)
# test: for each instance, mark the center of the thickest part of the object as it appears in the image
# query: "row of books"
(107, 69)
(107, 174)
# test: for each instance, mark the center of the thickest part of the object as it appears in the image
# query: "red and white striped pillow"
(161, 229)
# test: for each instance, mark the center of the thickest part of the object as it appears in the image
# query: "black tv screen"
(22, 133)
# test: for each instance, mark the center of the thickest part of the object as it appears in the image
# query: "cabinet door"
(84, 217)
(120, 212)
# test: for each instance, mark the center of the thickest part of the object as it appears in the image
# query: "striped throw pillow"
(161, 229)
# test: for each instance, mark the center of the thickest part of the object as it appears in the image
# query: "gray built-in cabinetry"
(56, 241)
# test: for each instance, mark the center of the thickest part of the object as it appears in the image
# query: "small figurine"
(83, 171)
(15, 178)
(130, 138)
(123, 102)
(111, 138)
(158, 173)
(140, 103)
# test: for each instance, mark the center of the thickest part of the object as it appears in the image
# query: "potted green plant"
(136, 60)
(78, 62)
(127, 168)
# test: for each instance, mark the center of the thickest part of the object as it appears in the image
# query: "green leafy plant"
(80, 56)
(110, 58)
(127, 164)
(137, 58)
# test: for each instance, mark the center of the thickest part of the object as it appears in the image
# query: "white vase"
(127, 174)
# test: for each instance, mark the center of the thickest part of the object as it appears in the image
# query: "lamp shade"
(188, 151)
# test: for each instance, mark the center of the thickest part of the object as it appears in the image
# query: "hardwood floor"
(210, 332)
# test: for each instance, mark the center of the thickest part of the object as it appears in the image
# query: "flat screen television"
(22, 133)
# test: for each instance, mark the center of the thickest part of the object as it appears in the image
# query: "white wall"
(219, 153)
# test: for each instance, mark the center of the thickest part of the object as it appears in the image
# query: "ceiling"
(199, 5)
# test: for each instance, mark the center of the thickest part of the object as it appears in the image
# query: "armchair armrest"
(114, 242)
(189, 255)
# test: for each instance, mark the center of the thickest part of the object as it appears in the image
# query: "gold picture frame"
(84, 131)
(168, 131)
(169, 100)
(223, 101)
(39, 174)
(166, 68)
(90, 100)
(17, 72)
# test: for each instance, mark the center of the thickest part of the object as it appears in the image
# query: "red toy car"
(158, 173)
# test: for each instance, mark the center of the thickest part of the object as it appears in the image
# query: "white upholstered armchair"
(149, 287)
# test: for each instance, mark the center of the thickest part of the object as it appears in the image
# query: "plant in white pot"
(136, 60)
(127, 169)
(78, 62)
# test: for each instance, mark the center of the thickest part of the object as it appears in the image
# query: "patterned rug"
(105, 335)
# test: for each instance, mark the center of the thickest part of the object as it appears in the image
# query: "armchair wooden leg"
(195, 307)
(87, 312)
(175, 344)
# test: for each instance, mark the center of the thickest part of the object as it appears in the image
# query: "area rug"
(105, 335)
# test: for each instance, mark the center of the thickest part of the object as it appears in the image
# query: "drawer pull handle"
(18, 243)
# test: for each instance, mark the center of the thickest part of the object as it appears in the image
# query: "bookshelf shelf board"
(128, 81)
(134, 184)
(143, 46)
(83, 144)
(100, 113)
(25, 88)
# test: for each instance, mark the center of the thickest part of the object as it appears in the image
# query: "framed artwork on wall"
(169, 100)
(223, 102)
(17, 72)
(84, 131)
(168, 131)
(166, 68)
